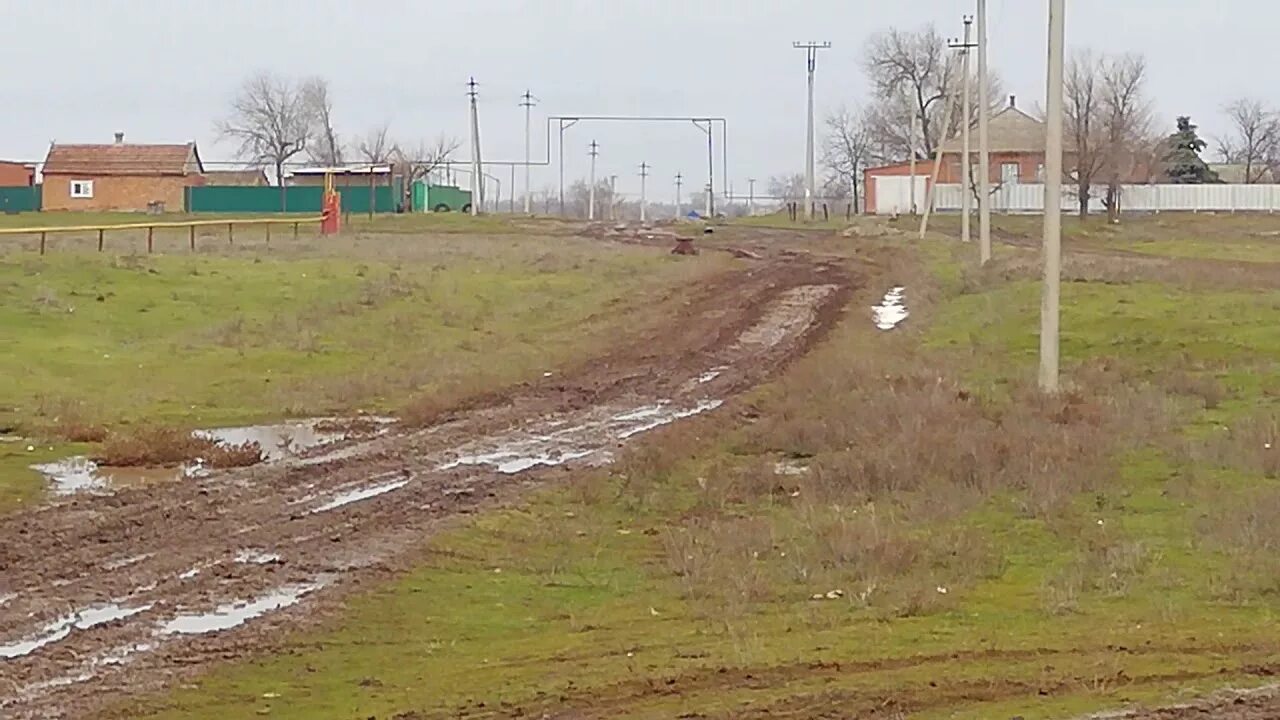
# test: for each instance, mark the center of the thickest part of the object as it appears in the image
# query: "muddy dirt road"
(139, 587)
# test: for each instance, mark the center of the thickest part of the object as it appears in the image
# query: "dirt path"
(143, 586)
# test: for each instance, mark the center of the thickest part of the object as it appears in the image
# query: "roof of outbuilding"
(122, 159)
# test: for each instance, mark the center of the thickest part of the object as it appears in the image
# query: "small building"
(1017, 156)
(428, 197)
(355, 176)
(253, 177)
(16, 174)
(120, 176)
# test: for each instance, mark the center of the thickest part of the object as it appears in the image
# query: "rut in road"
(139, 587)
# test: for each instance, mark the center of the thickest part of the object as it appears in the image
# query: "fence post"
(825, 217)
(150, 239)
(231, 233)
(42, 243)
(192, 232)
(268, 234)
(99, 239)
(295, 228)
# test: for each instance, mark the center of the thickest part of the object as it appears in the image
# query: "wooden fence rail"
(150, 227)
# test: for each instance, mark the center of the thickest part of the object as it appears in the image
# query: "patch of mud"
(365, 493)
(793, 313)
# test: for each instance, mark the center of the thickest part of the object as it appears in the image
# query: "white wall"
(1133, 198)
(893, 194)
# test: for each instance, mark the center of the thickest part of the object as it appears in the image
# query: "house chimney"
(119, 138)
(1013, 101)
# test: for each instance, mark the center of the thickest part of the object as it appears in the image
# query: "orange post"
(331, 221)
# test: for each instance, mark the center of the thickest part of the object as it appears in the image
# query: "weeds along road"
(136, 588)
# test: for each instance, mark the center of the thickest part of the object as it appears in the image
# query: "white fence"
(1133, 198)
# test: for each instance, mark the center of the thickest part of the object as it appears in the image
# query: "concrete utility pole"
(613, 197)
(811, 51)
(984, 141)
(751, 196)
(966, 174)
(948, 105)
(1052, 201)
(644, 201)
(591, 192)
(679, 181)
(565, 124)
(527, 101)
(477, 177)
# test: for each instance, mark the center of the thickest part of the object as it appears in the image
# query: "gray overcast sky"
(78, 70)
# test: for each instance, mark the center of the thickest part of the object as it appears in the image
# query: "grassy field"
(978, 550)
(367, 321)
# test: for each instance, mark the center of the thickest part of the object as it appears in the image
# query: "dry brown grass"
(158, 446)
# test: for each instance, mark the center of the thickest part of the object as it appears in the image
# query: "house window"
(1009, 173)
(81, 188)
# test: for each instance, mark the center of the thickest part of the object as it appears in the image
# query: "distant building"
(1016, 144)
(239, 178)
(120, 176)
(1235, 174)
(358, 176)
(16, 174)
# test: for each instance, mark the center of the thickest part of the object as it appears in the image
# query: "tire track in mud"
(142, 586)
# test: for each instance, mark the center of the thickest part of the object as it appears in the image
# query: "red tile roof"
(122, 159)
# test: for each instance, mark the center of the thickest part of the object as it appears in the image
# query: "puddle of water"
(710, 375)
(231, 615)
(80, 474)
(510, 462)
(643, 413)
(277, 441)
(249, 557)
(59, 629)
(361, 494)
(670, 417)
(892, 310)
(126, 562)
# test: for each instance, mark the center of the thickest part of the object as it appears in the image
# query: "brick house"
(1017, 156)
(239, 178)
(120, 176)
(16, 174)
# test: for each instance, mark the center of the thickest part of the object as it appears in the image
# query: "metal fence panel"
(299, 198)
(1029, 198)
(22, 198)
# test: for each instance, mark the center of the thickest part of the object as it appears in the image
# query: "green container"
(23, 198)
(440, 198)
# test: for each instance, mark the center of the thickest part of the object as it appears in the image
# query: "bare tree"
(1255, 138)
(1126, 123)
(787, 188)
(326, 147)
(269, 120)
(847, 149)
(912, 76)
(376, 146)
(417, 161)
(1108, 125)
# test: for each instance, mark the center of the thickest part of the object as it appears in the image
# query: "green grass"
(304, 330)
